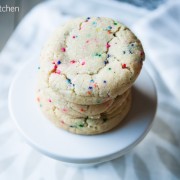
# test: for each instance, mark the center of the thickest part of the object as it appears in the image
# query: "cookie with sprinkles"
(87, 125)
(87, 68)
(91, 48)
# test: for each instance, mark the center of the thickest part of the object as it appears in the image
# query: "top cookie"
(91, 60)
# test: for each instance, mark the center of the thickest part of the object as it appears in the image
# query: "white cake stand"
(79, 149)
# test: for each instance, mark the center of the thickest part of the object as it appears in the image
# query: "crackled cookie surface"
(91, 60)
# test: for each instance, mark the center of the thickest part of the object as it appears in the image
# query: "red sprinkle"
(82, 110)
(123, 66)
(87, 41)
(141, 53)
(108, 45)
(89, 92)
(49, 100)
(55, 66)
(74, 37)
(72, 61)
(63, 49)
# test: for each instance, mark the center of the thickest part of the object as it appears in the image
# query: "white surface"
(68, 147)
(158, 155)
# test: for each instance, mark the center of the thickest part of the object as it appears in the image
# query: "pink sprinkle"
(65, 110)
(58, 71)
(38, 99)
(53, 62)
(62, 122)
(72, 61)
(83, 63)
(87, 41)
(49, 100)
(108, 45)
(74, 37)
(55, 66)
(63, 49)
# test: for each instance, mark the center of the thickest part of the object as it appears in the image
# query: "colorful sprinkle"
(69, 81)
(94, 23)
(63, 49)
(38, 67)
(124, 52)
(141, 53)
(64, 110)
(83, 63)
(91, 80)
(98, 54)
(123, 66)
(115, 23)
(73, 37)
(95, 85)
(59, 62)
(106, 62)
(109, 68)
(62, 122)
(58, 71)
(108, 45)
(38, 99)
(81, 125)
(49, 100)
(89, 92)
(108, 55)
(109, 27)
(104, 81)
(82, 110)
(87, 41)
(88, 18)
(72, 61)
(90, 87)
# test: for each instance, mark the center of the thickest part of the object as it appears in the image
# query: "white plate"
(79, 149)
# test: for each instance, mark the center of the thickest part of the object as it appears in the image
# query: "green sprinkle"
(81, 125)
(98, 54)
(109, 68)
(115, 23)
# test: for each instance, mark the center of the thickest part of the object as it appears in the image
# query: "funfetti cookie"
(84, 125)
(91, 60)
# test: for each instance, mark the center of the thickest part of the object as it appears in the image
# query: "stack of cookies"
(86, 72)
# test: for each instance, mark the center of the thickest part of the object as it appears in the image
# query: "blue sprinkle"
(104, 81)
(109, 27)
(59, 62)
(88, 18)
(69, 81)
(108, 56)
(90, 87)
(106, 62)
(92, 80)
